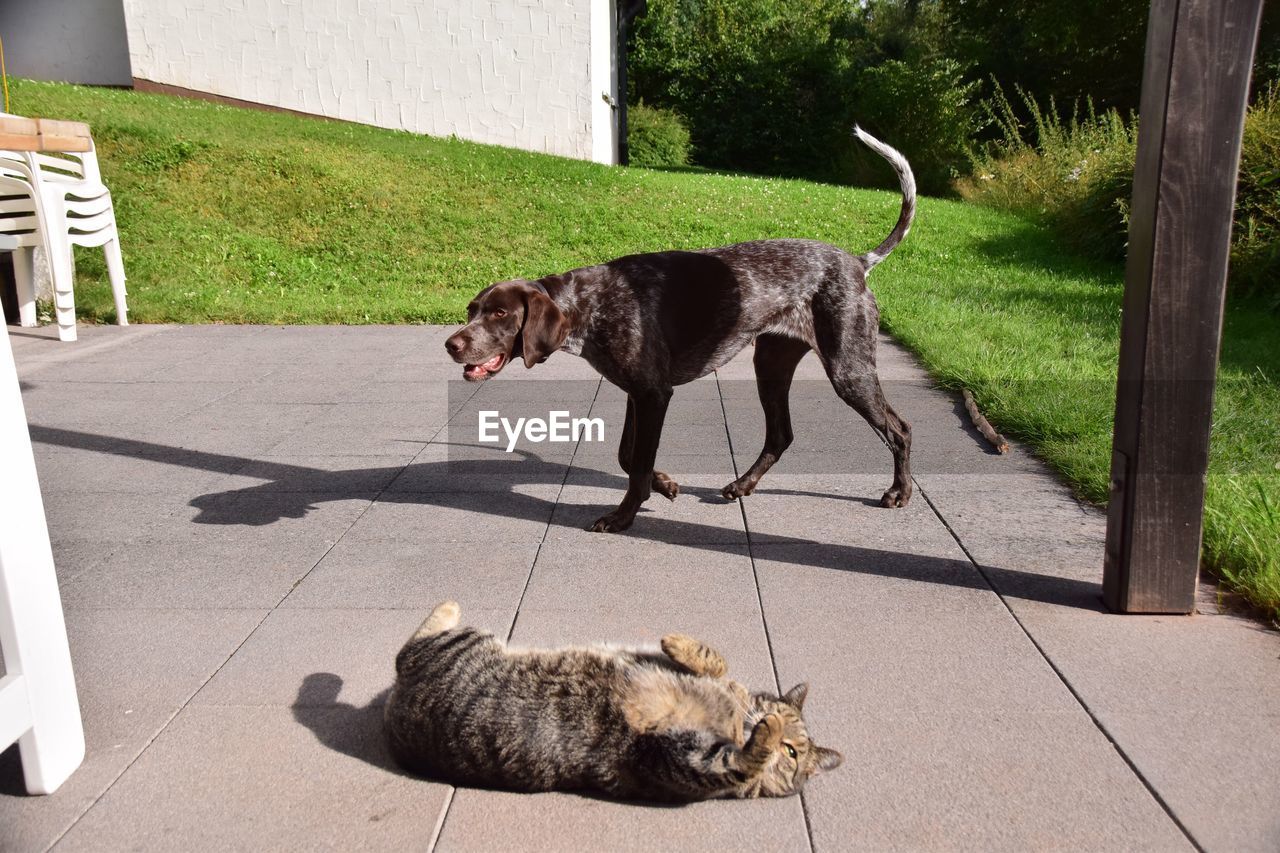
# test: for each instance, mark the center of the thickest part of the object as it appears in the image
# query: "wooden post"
(627, 11)
(1194, 92)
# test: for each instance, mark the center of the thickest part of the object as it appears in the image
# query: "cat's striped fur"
(628, 723)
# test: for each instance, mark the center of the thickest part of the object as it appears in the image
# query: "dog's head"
(505, 320)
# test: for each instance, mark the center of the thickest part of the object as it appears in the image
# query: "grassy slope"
(238, 216)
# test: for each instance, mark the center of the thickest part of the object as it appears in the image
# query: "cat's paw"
(770, 730)
(766, 737)
(444, 617)
(694, 655)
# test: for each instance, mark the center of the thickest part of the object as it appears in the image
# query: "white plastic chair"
(74, 209)
(39, 709)
(22, 218)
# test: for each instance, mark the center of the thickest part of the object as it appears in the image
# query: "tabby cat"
(627, 723)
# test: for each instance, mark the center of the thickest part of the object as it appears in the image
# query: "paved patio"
(248, 522)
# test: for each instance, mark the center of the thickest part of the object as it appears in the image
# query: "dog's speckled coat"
(651, 322)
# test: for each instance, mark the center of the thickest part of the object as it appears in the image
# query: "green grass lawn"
(230, 215)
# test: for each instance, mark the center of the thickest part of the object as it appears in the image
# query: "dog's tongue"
(476, 371)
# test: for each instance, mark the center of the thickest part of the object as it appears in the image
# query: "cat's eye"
(791, 751)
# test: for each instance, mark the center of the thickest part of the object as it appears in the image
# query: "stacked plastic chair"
(57, 201)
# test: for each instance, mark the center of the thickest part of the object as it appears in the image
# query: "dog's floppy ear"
(545, 327)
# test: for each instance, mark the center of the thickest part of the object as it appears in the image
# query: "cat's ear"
(828, 759)
(796, 695)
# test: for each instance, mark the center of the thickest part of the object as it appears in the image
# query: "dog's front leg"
(649, 410)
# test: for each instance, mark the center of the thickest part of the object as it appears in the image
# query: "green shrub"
(1255, 255)
(926, 109)
(759, 82)
(1078, 178)
(656, 138)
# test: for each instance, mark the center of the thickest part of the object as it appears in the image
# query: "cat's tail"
(444, 617)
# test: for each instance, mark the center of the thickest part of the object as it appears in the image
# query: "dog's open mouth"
(480, 372)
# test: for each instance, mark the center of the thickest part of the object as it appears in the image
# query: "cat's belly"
(657, 700)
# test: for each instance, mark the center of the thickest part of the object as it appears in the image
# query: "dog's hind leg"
(775, 360)
(662, 484)
(847, 346)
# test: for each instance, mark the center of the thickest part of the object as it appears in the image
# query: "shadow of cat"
(341, 726)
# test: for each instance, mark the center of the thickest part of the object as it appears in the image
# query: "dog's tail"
(908, 182)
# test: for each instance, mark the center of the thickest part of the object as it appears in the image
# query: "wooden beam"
(1194, 91)
(43, 134)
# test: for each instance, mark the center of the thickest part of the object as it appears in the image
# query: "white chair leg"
(64, 299)
(115, 270)
(38, 705)
(24, 274)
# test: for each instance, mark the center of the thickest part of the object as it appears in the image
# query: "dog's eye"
(499, 312)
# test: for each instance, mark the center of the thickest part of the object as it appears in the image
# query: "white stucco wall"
(521, 73)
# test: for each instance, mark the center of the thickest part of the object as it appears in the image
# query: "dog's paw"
(736, 490)
(613, 522)
(665, 486)
(895, 497)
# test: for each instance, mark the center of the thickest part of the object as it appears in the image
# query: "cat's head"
(797, 758)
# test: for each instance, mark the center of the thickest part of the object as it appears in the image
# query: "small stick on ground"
(997, 440)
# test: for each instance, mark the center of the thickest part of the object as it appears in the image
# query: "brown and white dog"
(650, 322)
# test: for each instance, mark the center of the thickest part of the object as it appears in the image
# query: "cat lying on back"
(628, 723)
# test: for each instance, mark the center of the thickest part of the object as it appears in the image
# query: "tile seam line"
(145, 330)
(187, 701)
(547, 529)
(163, 728)
(447, 806)
(755, 577)
(375, 499)
(1061, 676)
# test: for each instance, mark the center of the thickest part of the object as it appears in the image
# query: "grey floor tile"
(694, 516)
(699, 409)
(1130, 664)
(931, 648)
(207, 468)
(842, 510)
(108, 518)
(327, 473)
(443, 467)
(693, 471)
(520, 515)
(219, 572)
(408, 573)
(134, 670)
(255, 514)
(620, 574)
(1223, 790)
(828, 577)
(564, 822)
(331, 434)
(1005, 781)
(319, 657)
(120, 469)
(264, 778)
